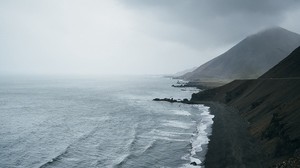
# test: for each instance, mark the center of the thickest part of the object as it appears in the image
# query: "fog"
(90, 37)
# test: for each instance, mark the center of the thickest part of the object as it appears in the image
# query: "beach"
(230, 144)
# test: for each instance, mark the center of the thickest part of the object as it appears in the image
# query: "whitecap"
(165, 135)
(181, 112)
(201, 137)
(149, 146)
(177, 124)
(168, 133)
(164, 138)
(121, 160)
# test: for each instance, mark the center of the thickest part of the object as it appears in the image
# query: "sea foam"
(181, 112)
(177, 124)
(200, 138)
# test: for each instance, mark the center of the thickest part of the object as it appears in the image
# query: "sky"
(94, 37)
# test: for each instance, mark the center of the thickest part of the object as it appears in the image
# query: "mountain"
(250, 58)
(287, 68)
(184, 72)
(271, 107)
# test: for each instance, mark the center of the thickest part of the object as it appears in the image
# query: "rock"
(193, 163)
(171, 100)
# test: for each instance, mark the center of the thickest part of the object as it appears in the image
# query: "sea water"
(99, 122)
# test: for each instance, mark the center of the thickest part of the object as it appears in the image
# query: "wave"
(151, 138)
(125, 157)
(149, 146)
(67, 149)
(134, 136)
(181, 112)
(200, 138)
(177, 124)
(156, 134)
(56, 158)
(165, 138)
(169, 133)
(122, 160)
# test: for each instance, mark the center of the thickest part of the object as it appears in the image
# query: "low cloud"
(129, 36)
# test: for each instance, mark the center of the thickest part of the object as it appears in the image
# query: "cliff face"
(270, 104)
(250, 58)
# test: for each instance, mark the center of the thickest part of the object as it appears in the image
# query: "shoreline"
(230, 144)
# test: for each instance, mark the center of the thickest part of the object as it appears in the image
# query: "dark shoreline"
(230, 144)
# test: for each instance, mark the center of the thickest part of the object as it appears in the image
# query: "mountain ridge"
(286, 68)
(250, 58)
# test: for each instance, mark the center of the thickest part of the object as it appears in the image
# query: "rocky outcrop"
(171, 100)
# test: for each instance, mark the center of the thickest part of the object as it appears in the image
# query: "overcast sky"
(129, 36)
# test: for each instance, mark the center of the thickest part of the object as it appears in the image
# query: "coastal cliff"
(270, 105)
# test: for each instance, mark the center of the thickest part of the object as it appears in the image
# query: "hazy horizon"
(128, 37)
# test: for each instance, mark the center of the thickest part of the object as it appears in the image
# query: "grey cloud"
(214, 22)
(129, 36)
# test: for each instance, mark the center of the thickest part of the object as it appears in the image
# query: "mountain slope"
(287, 68)
(270, 105)
(184, 72)
(250, 58)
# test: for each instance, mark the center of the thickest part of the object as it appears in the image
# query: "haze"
(129, 36)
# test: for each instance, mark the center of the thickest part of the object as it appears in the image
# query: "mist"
(128, 37)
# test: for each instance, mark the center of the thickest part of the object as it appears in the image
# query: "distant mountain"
(271, 107)
(250, 58)
(184, 72)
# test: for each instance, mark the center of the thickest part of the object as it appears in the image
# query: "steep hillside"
(287, 68)
(270, 104)
(250, 58)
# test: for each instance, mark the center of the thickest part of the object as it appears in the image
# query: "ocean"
(99, 122)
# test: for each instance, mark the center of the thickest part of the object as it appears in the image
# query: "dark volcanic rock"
(194, 163)
(171, 100)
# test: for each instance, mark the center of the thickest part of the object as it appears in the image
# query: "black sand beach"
(230, 144)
